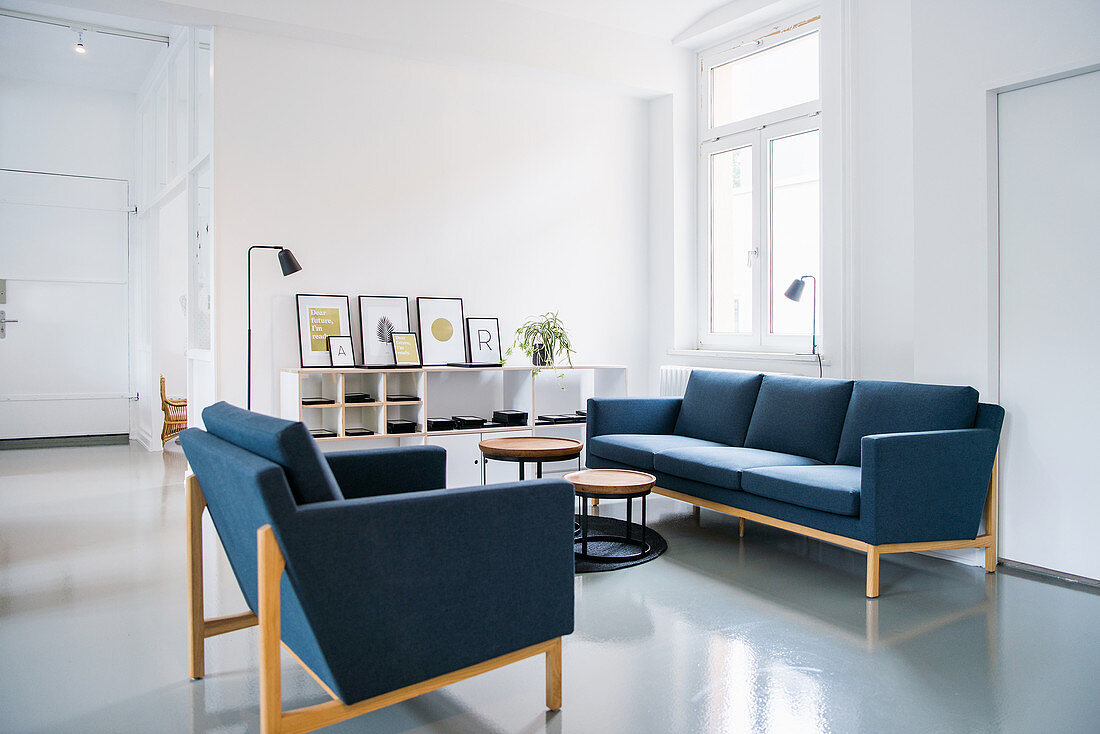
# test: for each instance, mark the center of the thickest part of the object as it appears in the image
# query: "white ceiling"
(41, 52)
(659, 18)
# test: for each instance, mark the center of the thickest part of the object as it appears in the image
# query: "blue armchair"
(393, 585)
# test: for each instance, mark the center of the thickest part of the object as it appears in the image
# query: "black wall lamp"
(289, 265)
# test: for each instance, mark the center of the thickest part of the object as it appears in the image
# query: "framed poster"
(441, 330)
(404, 349)
(483, 338)
(379, 318)
(340, 351)
(319, 317)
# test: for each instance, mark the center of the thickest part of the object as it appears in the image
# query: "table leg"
(584, 528)
(629, 515)
(521, 471)
(483, 470)
(538, 469)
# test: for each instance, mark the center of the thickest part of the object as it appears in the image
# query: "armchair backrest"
(287, 443)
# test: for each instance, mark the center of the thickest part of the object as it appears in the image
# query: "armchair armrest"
(371, 472)
(452, 577)
(925, 486)
(632, 415)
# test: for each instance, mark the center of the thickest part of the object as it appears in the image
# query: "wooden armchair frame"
(986, 540)
(273, 719)
(175, 415)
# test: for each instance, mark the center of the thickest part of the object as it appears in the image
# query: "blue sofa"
(881, 467)
(382, 583)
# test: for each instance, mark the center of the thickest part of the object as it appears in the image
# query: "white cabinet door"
(463, 458)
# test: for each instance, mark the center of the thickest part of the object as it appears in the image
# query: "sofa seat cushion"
(287, 443)
(721, 466)
(829, 488)
(903, 407)
(717, 406)
(637, 449)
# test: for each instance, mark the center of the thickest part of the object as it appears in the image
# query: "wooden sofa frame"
(273, 719)
(987, 540)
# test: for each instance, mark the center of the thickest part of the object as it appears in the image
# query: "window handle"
(749, 255)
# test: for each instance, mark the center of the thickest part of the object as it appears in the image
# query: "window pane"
(731, 241)
(795, 183)
(780, 77)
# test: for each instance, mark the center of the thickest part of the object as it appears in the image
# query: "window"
(759, 187)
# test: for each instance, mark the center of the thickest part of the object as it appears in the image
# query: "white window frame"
(757, 132)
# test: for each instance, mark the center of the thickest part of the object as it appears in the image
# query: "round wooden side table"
(525, 449)
(612, 484)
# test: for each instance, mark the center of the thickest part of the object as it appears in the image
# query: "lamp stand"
(248, 291)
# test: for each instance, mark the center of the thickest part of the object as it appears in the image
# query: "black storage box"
(322, 433)
(441, 424)
(358, 432)
(400, 425)
(510, 417)
(467, 421)
(358, 397)
(561, 418)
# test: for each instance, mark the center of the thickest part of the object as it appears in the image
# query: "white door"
(64, 353)
(1049, 155)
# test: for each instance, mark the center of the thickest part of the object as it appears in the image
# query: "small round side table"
(524, 449)
(611, 484)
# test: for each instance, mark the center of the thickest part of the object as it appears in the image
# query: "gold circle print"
(442, 329)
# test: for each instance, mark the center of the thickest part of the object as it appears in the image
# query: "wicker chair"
(175, 415)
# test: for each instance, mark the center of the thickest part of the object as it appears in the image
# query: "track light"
(79, 47)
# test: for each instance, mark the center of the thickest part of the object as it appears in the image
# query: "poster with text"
(319, 317)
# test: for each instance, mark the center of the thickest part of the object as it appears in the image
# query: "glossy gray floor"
(770, 633)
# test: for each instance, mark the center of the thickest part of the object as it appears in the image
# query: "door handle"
(4, 324)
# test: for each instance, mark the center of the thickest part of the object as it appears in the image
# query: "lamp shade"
(793, 292)
(288, 262)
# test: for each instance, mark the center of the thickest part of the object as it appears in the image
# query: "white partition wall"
(1049, 153)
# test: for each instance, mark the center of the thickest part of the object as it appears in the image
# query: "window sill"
(747, 356)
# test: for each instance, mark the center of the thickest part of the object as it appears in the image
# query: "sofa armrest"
(451, 577)
(632, 415)
(925, 486)
(371, 472)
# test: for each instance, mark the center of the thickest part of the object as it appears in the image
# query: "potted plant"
(545, 340)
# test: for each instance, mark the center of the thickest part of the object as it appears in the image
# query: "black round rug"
(613, 526)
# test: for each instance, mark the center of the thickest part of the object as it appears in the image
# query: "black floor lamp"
(289, 265)
(794, 292)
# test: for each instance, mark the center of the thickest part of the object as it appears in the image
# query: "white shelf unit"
(445, 392)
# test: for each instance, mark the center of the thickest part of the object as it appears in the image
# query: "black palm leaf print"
(384, 330)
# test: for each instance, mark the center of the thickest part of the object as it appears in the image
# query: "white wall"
(961, 50)
(62, 129)
(518, 193)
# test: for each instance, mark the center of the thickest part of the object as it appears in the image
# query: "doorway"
(105, 223)
(1049, 256)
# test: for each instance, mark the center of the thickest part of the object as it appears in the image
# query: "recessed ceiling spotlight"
(79, 47)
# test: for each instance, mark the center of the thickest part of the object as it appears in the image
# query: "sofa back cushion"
(799, 415)
(717, 406)
(900, 407)
(287, 443)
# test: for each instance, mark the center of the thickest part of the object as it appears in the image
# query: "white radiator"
(674, 379)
